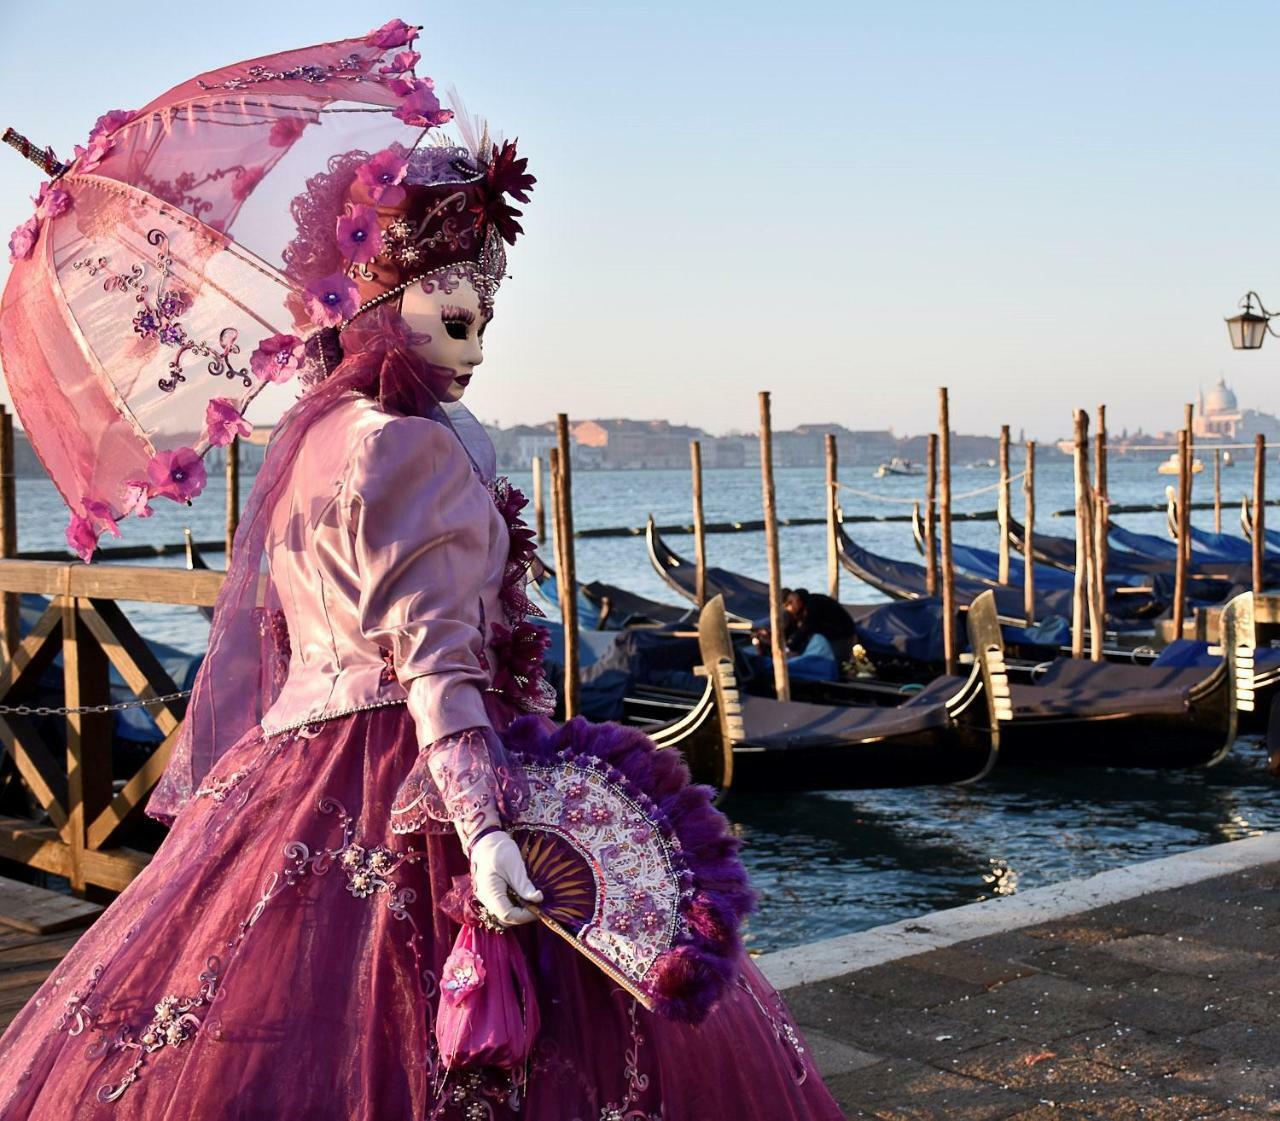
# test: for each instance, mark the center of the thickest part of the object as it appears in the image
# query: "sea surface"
(833, 863)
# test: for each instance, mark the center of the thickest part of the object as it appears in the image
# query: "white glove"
(496, 865)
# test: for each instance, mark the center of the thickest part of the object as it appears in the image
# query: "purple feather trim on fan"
(687, 980)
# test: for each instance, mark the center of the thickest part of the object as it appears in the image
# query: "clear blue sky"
(1040, 205)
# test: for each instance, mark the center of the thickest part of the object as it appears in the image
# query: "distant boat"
(1170, 466)
(983, 463)
(897, 466)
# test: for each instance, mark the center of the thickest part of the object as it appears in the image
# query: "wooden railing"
(81, 815)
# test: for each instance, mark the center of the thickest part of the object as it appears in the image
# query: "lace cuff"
(467, 779)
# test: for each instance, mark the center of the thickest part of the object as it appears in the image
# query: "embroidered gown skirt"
(279, 956)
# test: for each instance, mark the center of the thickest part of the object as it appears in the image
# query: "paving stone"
(1141, 916)
(1234, 996)
(1038, 1008)
(1087, 964)
(1238, 932)
(907, 986)
(1133, 1049)
(970, 966)
(1040, 1070)
(1012, 945)
(1079, 931)
(833, 1057)
(1239, 1040)
(1149, 1105)
(1182, 954)
(1047, 1111)
(911, 1091)
(1157, 1013)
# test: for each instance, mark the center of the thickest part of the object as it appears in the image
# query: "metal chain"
(79, 710)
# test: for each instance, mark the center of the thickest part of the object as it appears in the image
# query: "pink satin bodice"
(388, 555)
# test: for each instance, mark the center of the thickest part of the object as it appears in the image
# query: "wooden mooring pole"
(833, 511)
(1028, 543)
(1184, 517)
(1259, 512)
(566, 570)
(781, 678)
(1217, 490)
(944, 517)
(1080, 594)
(931, 516)
(1189, 413)
(539, 503)
(699, 523)
(1002, 506)
(1101, 514)
(8, 531)
(233, 495)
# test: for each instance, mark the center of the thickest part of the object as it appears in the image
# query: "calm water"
(827, 864)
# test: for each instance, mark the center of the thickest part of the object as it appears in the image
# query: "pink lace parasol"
(152, 297)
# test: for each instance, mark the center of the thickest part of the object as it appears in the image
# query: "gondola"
(945, 733)
(745, 598)
(1105, 714)
(908, 580)
(604, 606)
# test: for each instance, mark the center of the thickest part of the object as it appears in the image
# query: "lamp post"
(1248, 330)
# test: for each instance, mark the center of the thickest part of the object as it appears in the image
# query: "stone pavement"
(1161, 1007)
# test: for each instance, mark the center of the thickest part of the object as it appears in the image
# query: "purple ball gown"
(281, 954)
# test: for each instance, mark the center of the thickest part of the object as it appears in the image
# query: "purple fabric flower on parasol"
(80, 537)
(223, 422)
(419, 106)
(110, 121)
(246, 179)
(331, 300)
(393, 33)
(382, 176)
(178, 474)
(22, 241)
(51, 201)
(285, 131)
(359, 238)
(278, 358)
(87, 159)
(402, 63)
(136, 495)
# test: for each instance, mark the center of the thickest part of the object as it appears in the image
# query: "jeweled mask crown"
(404, 216)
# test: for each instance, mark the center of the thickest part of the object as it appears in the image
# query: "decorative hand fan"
(638, 871)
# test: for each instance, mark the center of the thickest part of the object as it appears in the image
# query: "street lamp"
(1249, 329)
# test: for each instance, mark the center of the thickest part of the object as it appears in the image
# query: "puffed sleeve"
(421, 527)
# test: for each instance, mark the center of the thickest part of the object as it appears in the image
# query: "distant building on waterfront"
(1220, 419)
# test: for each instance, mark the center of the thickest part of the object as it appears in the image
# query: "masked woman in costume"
(341, 922)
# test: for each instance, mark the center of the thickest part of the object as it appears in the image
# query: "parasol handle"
(41, 157)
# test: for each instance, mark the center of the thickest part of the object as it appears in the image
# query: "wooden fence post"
(8, 531)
